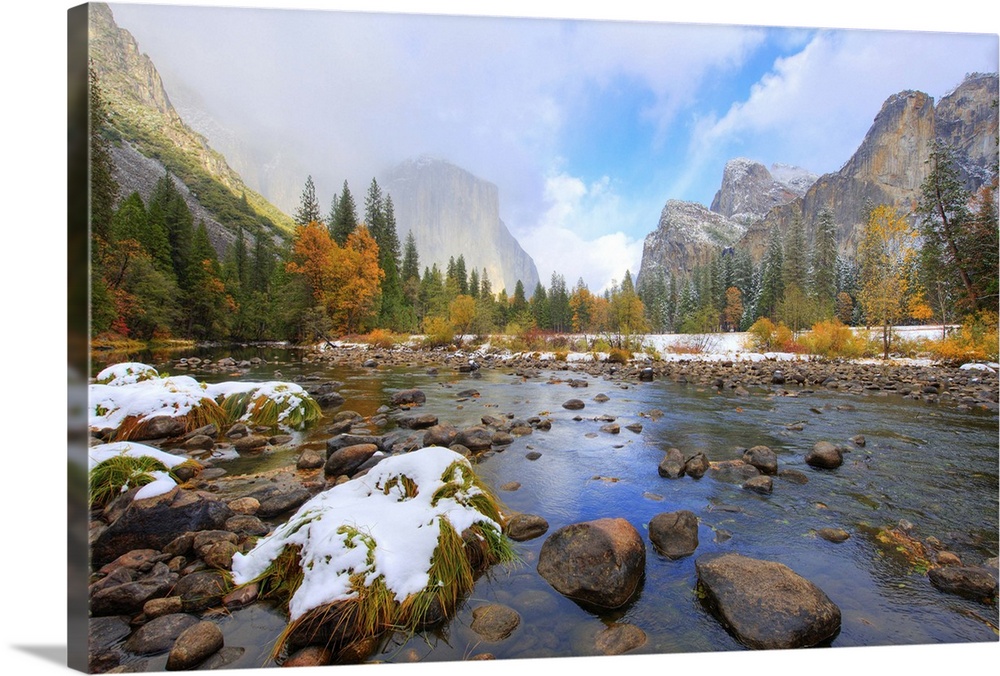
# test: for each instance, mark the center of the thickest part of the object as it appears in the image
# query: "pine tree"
(474, 284)
(794, 260)
(208, 308)
(823, 273)
(308, 210)
(103, 187)
(131, 221)
(560, 315)
(947, 225)
(346, 218)
(539, 307)
(772, 286)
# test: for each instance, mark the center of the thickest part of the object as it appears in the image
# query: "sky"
(587, 127)
(34, 279)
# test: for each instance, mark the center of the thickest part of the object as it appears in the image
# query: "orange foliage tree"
(345, 281)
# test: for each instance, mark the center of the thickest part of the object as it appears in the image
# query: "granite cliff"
(453, 213)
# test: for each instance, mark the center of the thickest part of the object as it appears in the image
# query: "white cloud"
(576, 236)
(814, 107)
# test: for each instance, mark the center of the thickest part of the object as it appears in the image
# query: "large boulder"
(152, 523)
(476, 438)
(599, 563)
(674, 534)
(765, 604)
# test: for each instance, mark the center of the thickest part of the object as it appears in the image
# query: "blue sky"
(587, 127)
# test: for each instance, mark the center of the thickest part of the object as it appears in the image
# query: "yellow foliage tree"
(885, 255)
(462, 312)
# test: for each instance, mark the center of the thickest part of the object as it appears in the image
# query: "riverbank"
(972, 385)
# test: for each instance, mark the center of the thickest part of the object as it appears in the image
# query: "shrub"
(381, 338)
(975, 340)
(618, 355)
(830, 338)
(438, 332)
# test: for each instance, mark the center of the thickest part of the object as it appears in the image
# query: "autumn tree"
(627, 315)
(357, 282)
(845, 308)
(733, 312)
(462, 313)
(885, 255)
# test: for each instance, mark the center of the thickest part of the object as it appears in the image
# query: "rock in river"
(494, 622)
(674, 534)
(765, 604)
(194, 646)
(522, 527)
(600, 563)
(825, 455)
(967, 581)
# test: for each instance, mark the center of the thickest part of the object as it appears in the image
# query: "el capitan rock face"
(453, 213)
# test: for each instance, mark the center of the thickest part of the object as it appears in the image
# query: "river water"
(933, 466)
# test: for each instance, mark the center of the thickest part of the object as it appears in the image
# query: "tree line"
(155, 273)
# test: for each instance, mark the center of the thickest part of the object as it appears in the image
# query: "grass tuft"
(119, 473)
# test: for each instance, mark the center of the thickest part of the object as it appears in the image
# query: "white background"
(33, 222)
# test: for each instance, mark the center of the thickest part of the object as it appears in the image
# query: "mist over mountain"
(452, 213)
(152, 140)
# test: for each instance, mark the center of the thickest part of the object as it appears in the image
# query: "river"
(927, 464)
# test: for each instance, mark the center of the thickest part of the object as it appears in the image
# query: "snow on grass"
(135, 391)
(372, 527)
(126, 373)
(173, 396)
(161, 482)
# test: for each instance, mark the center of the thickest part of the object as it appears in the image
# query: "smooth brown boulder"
(600, 563)
(195, 645)
(825, 455)
(674, 534)
(765, 604)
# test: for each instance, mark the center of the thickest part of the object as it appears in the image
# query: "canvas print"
(413, 338)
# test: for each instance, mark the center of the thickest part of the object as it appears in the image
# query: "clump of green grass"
(279, 405)
(206, 412)
(109, 478)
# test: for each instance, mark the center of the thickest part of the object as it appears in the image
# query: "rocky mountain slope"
(453, 213)
(151, 139)
(887, 168)
(749, 191)
(686, 236)
(891, 163)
